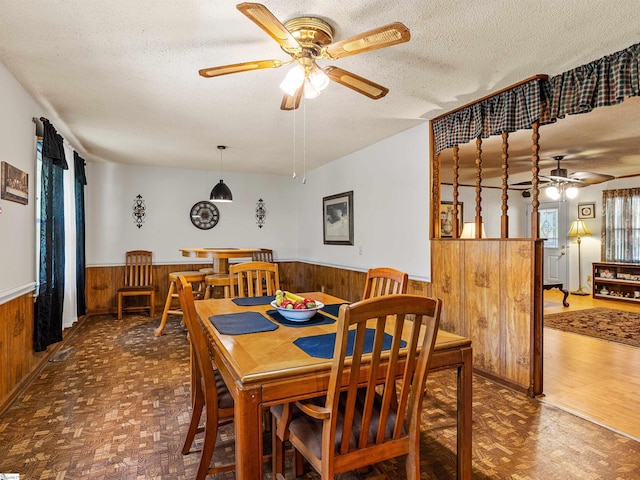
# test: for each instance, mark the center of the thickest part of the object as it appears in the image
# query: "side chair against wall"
(264, 255)
(363, 425)
(253, 279)
(385, 281)
(208, 390)
(138, 280)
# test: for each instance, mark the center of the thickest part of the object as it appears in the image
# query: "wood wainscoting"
(19, 362)
(491, 292)
(102, 282)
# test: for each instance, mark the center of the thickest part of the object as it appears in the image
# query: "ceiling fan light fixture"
(571, 192)
(310, 91)
(293, 80)
(552, 192)
(318, 78)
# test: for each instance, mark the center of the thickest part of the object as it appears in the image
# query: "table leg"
(465, 394)
(564, 299)
(221, 265)
(247, 418)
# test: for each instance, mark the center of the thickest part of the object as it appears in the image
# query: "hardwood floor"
(592, 378)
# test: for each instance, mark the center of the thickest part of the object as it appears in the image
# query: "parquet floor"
(115, 405)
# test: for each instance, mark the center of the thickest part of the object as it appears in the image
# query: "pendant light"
(221, 193)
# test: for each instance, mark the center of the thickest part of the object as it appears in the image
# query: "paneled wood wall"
(491, 292)
(102, 283)
(19, 361)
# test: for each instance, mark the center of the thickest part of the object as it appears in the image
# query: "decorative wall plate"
(204, 215)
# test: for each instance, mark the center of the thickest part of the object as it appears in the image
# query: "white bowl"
(298, 315)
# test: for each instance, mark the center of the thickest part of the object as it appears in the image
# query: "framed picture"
(15, 184)
(337, 212)
(446, 219)
(586, 210)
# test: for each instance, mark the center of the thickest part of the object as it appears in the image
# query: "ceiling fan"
(307, 39)
(561, 180)
(578, 179)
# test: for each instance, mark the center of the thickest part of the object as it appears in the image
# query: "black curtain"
(48, 307)
(80, 182)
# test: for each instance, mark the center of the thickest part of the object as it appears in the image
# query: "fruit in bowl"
(294, 307)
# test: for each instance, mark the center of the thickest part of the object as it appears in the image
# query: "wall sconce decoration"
(139, 211)
(261, 213)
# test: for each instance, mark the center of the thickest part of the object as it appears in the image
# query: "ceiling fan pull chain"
(294, 143)
(304, 141)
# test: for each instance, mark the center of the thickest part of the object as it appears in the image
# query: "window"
(549, 226)
(621, 225)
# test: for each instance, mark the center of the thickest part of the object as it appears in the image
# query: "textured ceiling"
(120, 81)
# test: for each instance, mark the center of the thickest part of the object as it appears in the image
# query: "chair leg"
(165, 313)
(210, 436)
(198, 405)
(119, 306)
(277, 446)
(153, 304)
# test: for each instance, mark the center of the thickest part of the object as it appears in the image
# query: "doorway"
(553, 228)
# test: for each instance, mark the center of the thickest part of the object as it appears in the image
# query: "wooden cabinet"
(616, 281)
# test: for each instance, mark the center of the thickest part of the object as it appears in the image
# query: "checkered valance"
(515, 109)
(597, 84)
(606, 81)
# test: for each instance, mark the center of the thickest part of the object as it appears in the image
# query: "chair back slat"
(381, 417)
(253, 279)
(385, 281)
(264, 255)
(138, 268)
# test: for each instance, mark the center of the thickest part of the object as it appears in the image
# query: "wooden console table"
(559, 286)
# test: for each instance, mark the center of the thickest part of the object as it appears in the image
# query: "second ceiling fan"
(307, 39)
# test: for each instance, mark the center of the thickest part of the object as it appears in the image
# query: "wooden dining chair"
(208, 390)
(263, 255)
(138, 281)
(253, 279)
(384, 281)
(366, 423)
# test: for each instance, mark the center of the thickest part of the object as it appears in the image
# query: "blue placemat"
(250, 301)
(317, 319)
(322, 346)
(240, 323)
(333, 308)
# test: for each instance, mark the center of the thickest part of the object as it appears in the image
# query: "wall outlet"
(588, 278)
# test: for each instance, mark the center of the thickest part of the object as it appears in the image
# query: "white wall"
(17, 225)
(391, 188)
(169, 195)
(391, 194)
(590, 247)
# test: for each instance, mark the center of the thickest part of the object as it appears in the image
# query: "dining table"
(255, 353)
(219, 256)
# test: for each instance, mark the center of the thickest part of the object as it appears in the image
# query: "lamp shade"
(469, 230)
(221, 193)
(578, 229)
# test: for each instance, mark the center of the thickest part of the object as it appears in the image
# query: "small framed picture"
(15, 184)
(337, 226)
(586, 210)
(446, 219)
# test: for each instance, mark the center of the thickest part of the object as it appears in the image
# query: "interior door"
(553, 228)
